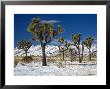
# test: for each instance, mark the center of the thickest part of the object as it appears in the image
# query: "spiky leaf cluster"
(25, 45)
(88, 42)
(43, 32)
(64, 45)
(76, 39)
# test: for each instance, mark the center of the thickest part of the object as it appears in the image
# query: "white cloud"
(49, 21)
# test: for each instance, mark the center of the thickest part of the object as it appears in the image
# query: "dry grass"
(27, 59)
(50, 59)
(22, 59)
(17, 60)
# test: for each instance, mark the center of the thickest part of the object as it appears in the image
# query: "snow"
(37, 51)
(50, 50)
(54, 69)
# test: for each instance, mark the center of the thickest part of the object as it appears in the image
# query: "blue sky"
(72, 24)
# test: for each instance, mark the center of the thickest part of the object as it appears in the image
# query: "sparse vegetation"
(44, 33)
(69, 53)
(63, 47)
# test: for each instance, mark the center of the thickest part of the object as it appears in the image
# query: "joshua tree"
(76, 40)
(88, 44)
(25, 45)
(64, 45)
(67, 45)
(43, 33)
(61, 48)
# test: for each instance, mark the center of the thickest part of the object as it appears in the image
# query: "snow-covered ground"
(55, 69)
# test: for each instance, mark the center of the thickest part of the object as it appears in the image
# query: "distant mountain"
(37, 51)
(50, 50)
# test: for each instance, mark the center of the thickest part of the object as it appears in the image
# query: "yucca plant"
(64, 45)
(77, 41)
(88, 43)
(43, 33)
(24, 45)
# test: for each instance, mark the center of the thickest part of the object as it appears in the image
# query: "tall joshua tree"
(76, 40)
(43, 33)
(88, 43)
(25, 45)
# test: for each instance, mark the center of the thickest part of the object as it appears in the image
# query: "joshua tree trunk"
(82, 53)
(26, 53)
(89, 54)
(71, 56)
(44, 56)
(63, 55)
(80, 60)
(82, 57)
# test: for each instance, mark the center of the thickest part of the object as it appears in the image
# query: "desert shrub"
(52, 60)
(15, 62)
(60, 64)
(27, 59)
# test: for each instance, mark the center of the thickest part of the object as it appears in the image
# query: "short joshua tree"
(24, 45)
(64, 45)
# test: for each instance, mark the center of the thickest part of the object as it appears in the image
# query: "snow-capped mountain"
(37, 51)
(50, 50)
